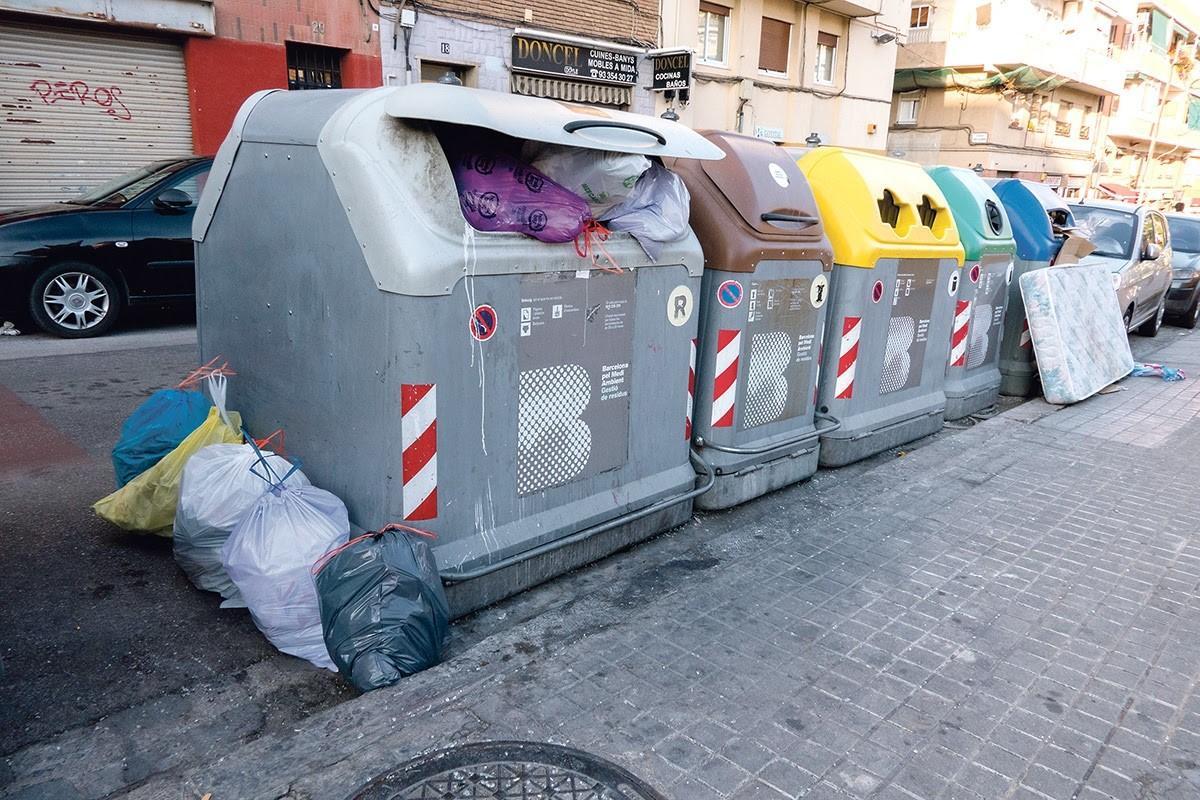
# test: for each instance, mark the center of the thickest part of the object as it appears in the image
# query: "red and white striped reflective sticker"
(729, 350)
(1026, 340)
(418, 437)
(687, 430)
(958, 336)
(843, 388)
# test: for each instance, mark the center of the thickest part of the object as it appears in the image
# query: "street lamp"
(978, 168)
(813, 140)
(670, 114)
(450, 79)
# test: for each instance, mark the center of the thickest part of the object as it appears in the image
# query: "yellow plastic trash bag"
(147, 503)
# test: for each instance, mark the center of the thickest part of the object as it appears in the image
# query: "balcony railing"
(1085, 131)
(918, 35)
(1062, 128)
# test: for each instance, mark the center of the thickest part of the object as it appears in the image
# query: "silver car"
(1183, 301)
(1133, 242)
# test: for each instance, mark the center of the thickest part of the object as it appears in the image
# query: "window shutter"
(827, 39)
(713, 8)
(773, 45)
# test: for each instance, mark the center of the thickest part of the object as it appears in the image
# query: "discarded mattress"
(1078, 335)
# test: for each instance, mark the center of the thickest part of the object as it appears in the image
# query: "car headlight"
(1185, 278)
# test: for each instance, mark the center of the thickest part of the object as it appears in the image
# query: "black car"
(73, 266)
(1183, 299)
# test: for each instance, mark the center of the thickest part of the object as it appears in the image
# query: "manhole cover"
(508, 770)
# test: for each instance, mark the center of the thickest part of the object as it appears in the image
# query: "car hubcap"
(75, 300)
(1162, 312)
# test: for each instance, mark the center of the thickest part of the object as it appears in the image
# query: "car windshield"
(1185, 234)
(125, 187)
(1111, 231)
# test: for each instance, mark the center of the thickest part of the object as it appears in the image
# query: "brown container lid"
(753, 205)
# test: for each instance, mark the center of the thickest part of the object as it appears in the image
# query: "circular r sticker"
(952, 287)
(729, 294)
(779, 175)
(679, 305)
(484, 322)
(819, 291)
(975, 273)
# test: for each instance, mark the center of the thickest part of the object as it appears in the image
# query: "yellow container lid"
(876, 207)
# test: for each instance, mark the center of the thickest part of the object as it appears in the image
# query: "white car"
(1133, 242)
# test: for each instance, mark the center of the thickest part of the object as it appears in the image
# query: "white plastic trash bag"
(218, 489)
(655, 212)
(269, 556)
(602, 178)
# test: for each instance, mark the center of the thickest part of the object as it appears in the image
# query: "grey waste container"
(973, 370)
(762, 317)
(1037, 215)
(896, 272)
(508, 395)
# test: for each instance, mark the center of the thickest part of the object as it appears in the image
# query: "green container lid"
(979, 215)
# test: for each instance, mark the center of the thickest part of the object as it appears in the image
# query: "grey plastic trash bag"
(383, 608)
(655, 212)
(270, 555)
(217, 490)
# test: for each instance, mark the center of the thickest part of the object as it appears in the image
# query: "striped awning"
(572, 91)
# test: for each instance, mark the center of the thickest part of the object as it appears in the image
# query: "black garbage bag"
(383, 609)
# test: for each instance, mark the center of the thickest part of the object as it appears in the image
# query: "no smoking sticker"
(819, 291)
(679, 305)
(483, 323)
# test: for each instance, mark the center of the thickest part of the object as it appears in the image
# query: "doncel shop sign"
(672, 70)
(574, 59)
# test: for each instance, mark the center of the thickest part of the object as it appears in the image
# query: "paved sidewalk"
(1009, 612)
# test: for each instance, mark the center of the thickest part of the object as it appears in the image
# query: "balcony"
(193, 17)
(1021, 33)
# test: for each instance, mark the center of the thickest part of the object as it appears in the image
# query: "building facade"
(786, 70)
(1011, 88)
(585, 52)
(1152, 153)
(92, 90)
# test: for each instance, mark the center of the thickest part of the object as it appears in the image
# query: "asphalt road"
(101, 627)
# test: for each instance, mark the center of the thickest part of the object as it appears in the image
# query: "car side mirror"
(172, 200)
(1151, 252)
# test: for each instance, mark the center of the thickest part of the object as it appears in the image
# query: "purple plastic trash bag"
(499, 193)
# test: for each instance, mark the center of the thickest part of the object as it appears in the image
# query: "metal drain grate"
(507, 771)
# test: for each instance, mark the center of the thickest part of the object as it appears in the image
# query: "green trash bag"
(383, 610)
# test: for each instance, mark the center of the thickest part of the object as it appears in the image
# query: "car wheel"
(1152, 326)
(75, 300)
(1193, 313)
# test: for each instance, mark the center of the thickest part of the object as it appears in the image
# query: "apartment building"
(1152, 152)
(581, 51)
(1011, 88)
(787, 71)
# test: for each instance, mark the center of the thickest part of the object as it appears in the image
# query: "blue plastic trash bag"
(1157, 371)
(155, 428)
(383, 609)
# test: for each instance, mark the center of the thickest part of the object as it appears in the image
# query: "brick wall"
(631, 21)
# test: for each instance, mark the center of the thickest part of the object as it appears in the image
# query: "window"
(1151, 91)
(311, 66)
(433, 71)
(773, 46)
(983, 15)
(713, 33)
(826, 57)
(1062, 125)
(907, 108)
(1089, 119)
(918, 17)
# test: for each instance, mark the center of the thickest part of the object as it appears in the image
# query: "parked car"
(1133, 242)
(1183, 299)
(74, 266)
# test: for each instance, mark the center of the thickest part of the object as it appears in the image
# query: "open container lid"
(554, 122)
(876, 207)
(979, 215)
(753, 205)
(1029, 206)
